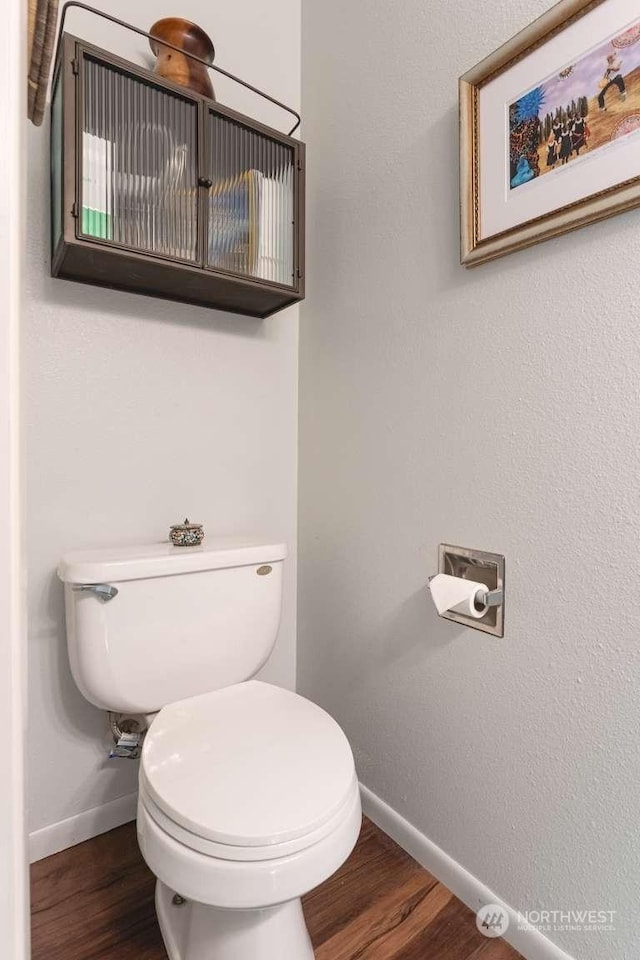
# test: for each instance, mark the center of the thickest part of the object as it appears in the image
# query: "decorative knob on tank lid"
(186, 534)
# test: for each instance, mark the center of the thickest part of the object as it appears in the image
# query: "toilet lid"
(248, 765)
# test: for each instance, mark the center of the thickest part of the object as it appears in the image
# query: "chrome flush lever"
(104, 591)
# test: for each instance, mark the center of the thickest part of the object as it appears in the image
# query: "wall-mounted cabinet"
(160, 191)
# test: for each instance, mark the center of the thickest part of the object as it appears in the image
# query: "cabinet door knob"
(205, 182)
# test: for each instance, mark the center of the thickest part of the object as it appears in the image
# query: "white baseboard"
(529, 942)
(43, 843)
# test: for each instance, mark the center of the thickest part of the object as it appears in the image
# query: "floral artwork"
(584, 107)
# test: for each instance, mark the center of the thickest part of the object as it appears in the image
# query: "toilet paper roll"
(457, 595)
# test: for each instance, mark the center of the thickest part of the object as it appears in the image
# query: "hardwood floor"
(95, 902)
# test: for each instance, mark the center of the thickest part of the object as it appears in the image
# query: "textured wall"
(497, 409)
(140, 411)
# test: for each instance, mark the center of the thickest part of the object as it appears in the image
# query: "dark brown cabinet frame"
(112, 264)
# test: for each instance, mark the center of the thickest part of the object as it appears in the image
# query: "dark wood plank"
(375, 869)
(95, 902)
(384, 930)
(495, 950)
(451, 935)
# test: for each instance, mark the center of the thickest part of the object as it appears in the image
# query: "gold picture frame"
(621, 197)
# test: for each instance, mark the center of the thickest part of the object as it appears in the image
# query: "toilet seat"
(225, 851)
(248, 772)
(238, 885)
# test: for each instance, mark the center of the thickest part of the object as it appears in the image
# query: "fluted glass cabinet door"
(163, 192)
(250, 204)
(138, 163)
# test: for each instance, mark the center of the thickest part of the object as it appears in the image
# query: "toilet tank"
(184, 620)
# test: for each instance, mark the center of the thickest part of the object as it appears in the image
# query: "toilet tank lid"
(114, 564)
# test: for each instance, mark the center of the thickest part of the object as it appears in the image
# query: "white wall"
(141, 411)
(14, 910)
(496, 409)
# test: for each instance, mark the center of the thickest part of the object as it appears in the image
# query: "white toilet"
(248, 793)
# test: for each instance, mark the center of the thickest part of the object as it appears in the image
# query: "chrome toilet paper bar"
(492, 598)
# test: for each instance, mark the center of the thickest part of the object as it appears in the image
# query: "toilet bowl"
(248, 799)
(248, 796)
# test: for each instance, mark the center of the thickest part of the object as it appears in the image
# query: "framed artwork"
(550, 129)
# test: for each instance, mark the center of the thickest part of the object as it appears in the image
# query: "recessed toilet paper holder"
(483, 567)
